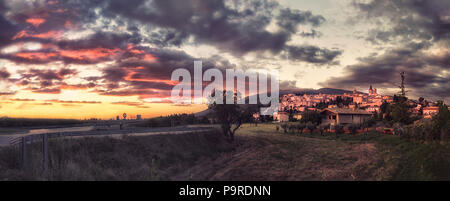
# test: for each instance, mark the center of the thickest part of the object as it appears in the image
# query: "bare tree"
(230, 116)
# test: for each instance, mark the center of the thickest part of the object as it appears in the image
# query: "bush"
(300, 127)
(284, 126)
(323, 128)
(353, 128)
(338, 129)
(311, 126)
(292, 128)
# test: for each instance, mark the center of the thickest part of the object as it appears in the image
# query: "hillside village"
(345, 108)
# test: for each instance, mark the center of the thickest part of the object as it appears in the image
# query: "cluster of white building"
(359, 103)
(370, 101)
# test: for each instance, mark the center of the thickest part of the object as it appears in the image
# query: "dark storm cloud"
(424, 73)
(167, 37)
(48, 75)
(238, 27)
(107, 40)
(152, 78)
(311, 54)
(4, 74)
(424, 20)
(8, 29)
(44, 81)
(425, 61)
(235, 26)
(313, 34)
(290, 19)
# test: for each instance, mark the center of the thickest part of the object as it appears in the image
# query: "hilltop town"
(293, 105)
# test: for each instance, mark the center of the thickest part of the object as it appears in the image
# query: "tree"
(230, 116)
(300, 127)
(441, 121)
(311, 126)
(338, 129)
(323, 128)
(401, 113)
(284, 126)
(353, 128)
(421, 99)
(311, 116)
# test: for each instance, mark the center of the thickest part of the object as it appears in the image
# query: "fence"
(25, 143)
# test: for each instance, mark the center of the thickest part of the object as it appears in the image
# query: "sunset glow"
(88, 59)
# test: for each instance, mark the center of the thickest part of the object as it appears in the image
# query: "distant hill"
(317, 91)
(203, 113)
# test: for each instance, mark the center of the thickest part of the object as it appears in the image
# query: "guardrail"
(24, 141)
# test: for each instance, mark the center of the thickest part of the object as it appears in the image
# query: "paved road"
(5, 140)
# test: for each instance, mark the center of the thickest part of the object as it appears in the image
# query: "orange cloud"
(141, 53)
(89, 53)
(71, 102)
(131, 73)
(74, 87)
(46, 35)
(36, 55)
(20, 99)
(128, 103)
(35, 21)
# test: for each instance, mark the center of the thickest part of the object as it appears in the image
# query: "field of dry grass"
(258, 153)
(263, 154)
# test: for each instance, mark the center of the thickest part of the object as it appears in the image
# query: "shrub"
(323, 128)
(292, 128)
(300, 127)
(284, 126)
(311, 126)
(338, 129)
(353, 128)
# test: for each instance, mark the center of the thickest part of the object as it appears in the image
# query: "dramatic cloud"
(290, 19)
(407, 20)
(235, 26)
(425, 73)
(415, 36)
(312, 54)
(4, 74)
(141, 54)
(128, 49)
(44, 81)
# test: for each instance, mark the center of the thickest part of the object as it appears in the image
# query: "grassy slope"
(155, 157)
(398, 157)
(259, 153)
(263, 154)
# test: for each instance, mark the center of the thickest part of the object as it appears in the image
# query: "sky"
(98, 59)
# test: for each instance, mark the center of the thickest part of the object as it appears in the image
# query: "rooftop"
(347, 111)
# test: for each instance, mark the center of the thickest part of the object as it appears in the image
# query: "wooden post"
(24, 153)
(45, 153)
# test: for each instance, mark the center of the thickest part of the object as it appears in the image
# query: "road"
(88, 131)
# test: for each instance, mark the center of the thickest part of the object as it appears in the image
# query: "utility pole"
(402, 85)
